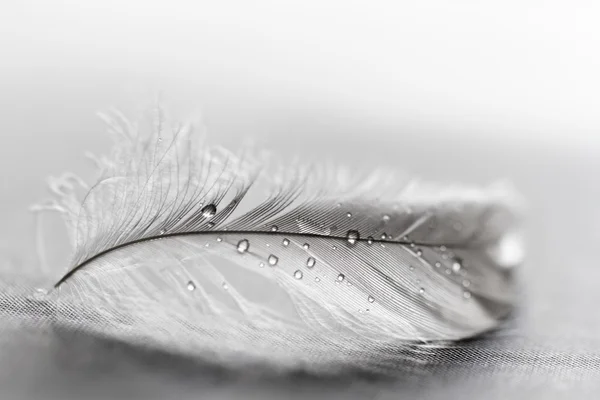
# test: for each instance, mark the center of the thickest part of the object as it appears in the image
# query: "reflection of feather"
(174, 246)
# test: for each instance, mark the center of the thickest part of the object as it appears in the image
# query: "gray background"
(460, 92)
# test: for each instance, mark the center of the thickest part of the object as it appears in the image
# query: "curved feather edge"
(200, 251)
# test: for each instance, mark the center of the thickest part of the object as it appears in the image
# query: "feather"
(199, 251)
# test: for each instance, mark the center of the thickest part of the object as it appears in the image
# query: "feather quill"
(200, 251)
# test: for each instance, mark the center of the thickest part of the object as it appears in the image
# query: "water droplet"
(348, 283)
(419, 252)
(225, 286)
(305, 246)
(209, 211)
(352, 236)
(268, 245)
(274, 228)
(262, 264)
(467, 295)
(371, 299)
(339, 205)
(298, 274)
(466, 283)
(191, 286)
(285, 242)
(412, 244)
(40, 294)
(349, 215)
(448, 271)
(160, 139)
(386, 218)
(442, 248)
(310, 262)
(334, 247)
(422, 291)
(456, 266)
(370, 240)
(243, 246)
(411, 268)
(210, 224)
(341, 277)
(273, 260)
(438, 264)
(384, 236)
(317, 279)
(206, 244)
(418, 281)
(163, 231)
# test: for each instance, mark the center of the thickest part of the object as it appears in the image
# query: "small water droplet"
(438, 264)
(422, 291)
(209, 211)
(352, 236)
(310, 262)
(305, 246)
(191, 286)
(341, 277)
(262, 264)
(418, 281)
(273, 260)
(40, 294)
(349, 215)
(448, 271)
(466, 283)
(211, 224)
(219, 239)
(268, 245)
(163, 231)
(160, 139)
(384, 236)
(411, 268)
(298, 274)
(225, 286)
(274, 228)
(371, 299)
(456, 266)
(348, 283)
(317, 279)
(370, 240)
(206, 244)
(285, 242)
(442, 248)
(243, 246)
(412, 244)
(467, 295)
(419, 252)
(334, 247)
(339, 205)
(386, 218)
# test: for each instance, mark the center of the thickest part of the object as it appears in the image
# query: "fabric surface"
(549, 349)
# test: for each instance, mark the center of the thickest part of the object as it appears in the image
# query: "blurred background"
(464, 91)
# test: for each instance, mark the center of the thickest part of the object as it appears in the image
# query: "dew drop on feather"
(191, 286)
(310, 262)
(285, 242)
(370, 240)
(273, 259)
(341, 277)
(371, 299)
(298, 274)
(274, 228)
(352, 236)
(243, 246)
(209, 211)
(305, 246)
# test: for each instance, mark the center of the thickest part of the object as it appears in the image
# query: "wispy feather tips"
(200, 251)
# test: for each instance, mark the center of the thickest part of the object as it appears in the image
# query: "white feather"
(160, 255)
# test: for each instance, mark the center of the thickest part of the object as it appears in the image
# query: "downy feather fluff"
(193, 249)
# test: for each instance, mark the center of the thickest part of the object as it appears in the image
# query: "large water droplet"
(285, 242)
(298, 274)
(341, 277)
(191, 286)
(352, 236)
(456, 266)
(209, 211)
(305, 246)
(243, 246)
(273, 260)
(274, 228)
(371, 299)
(310, 262)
